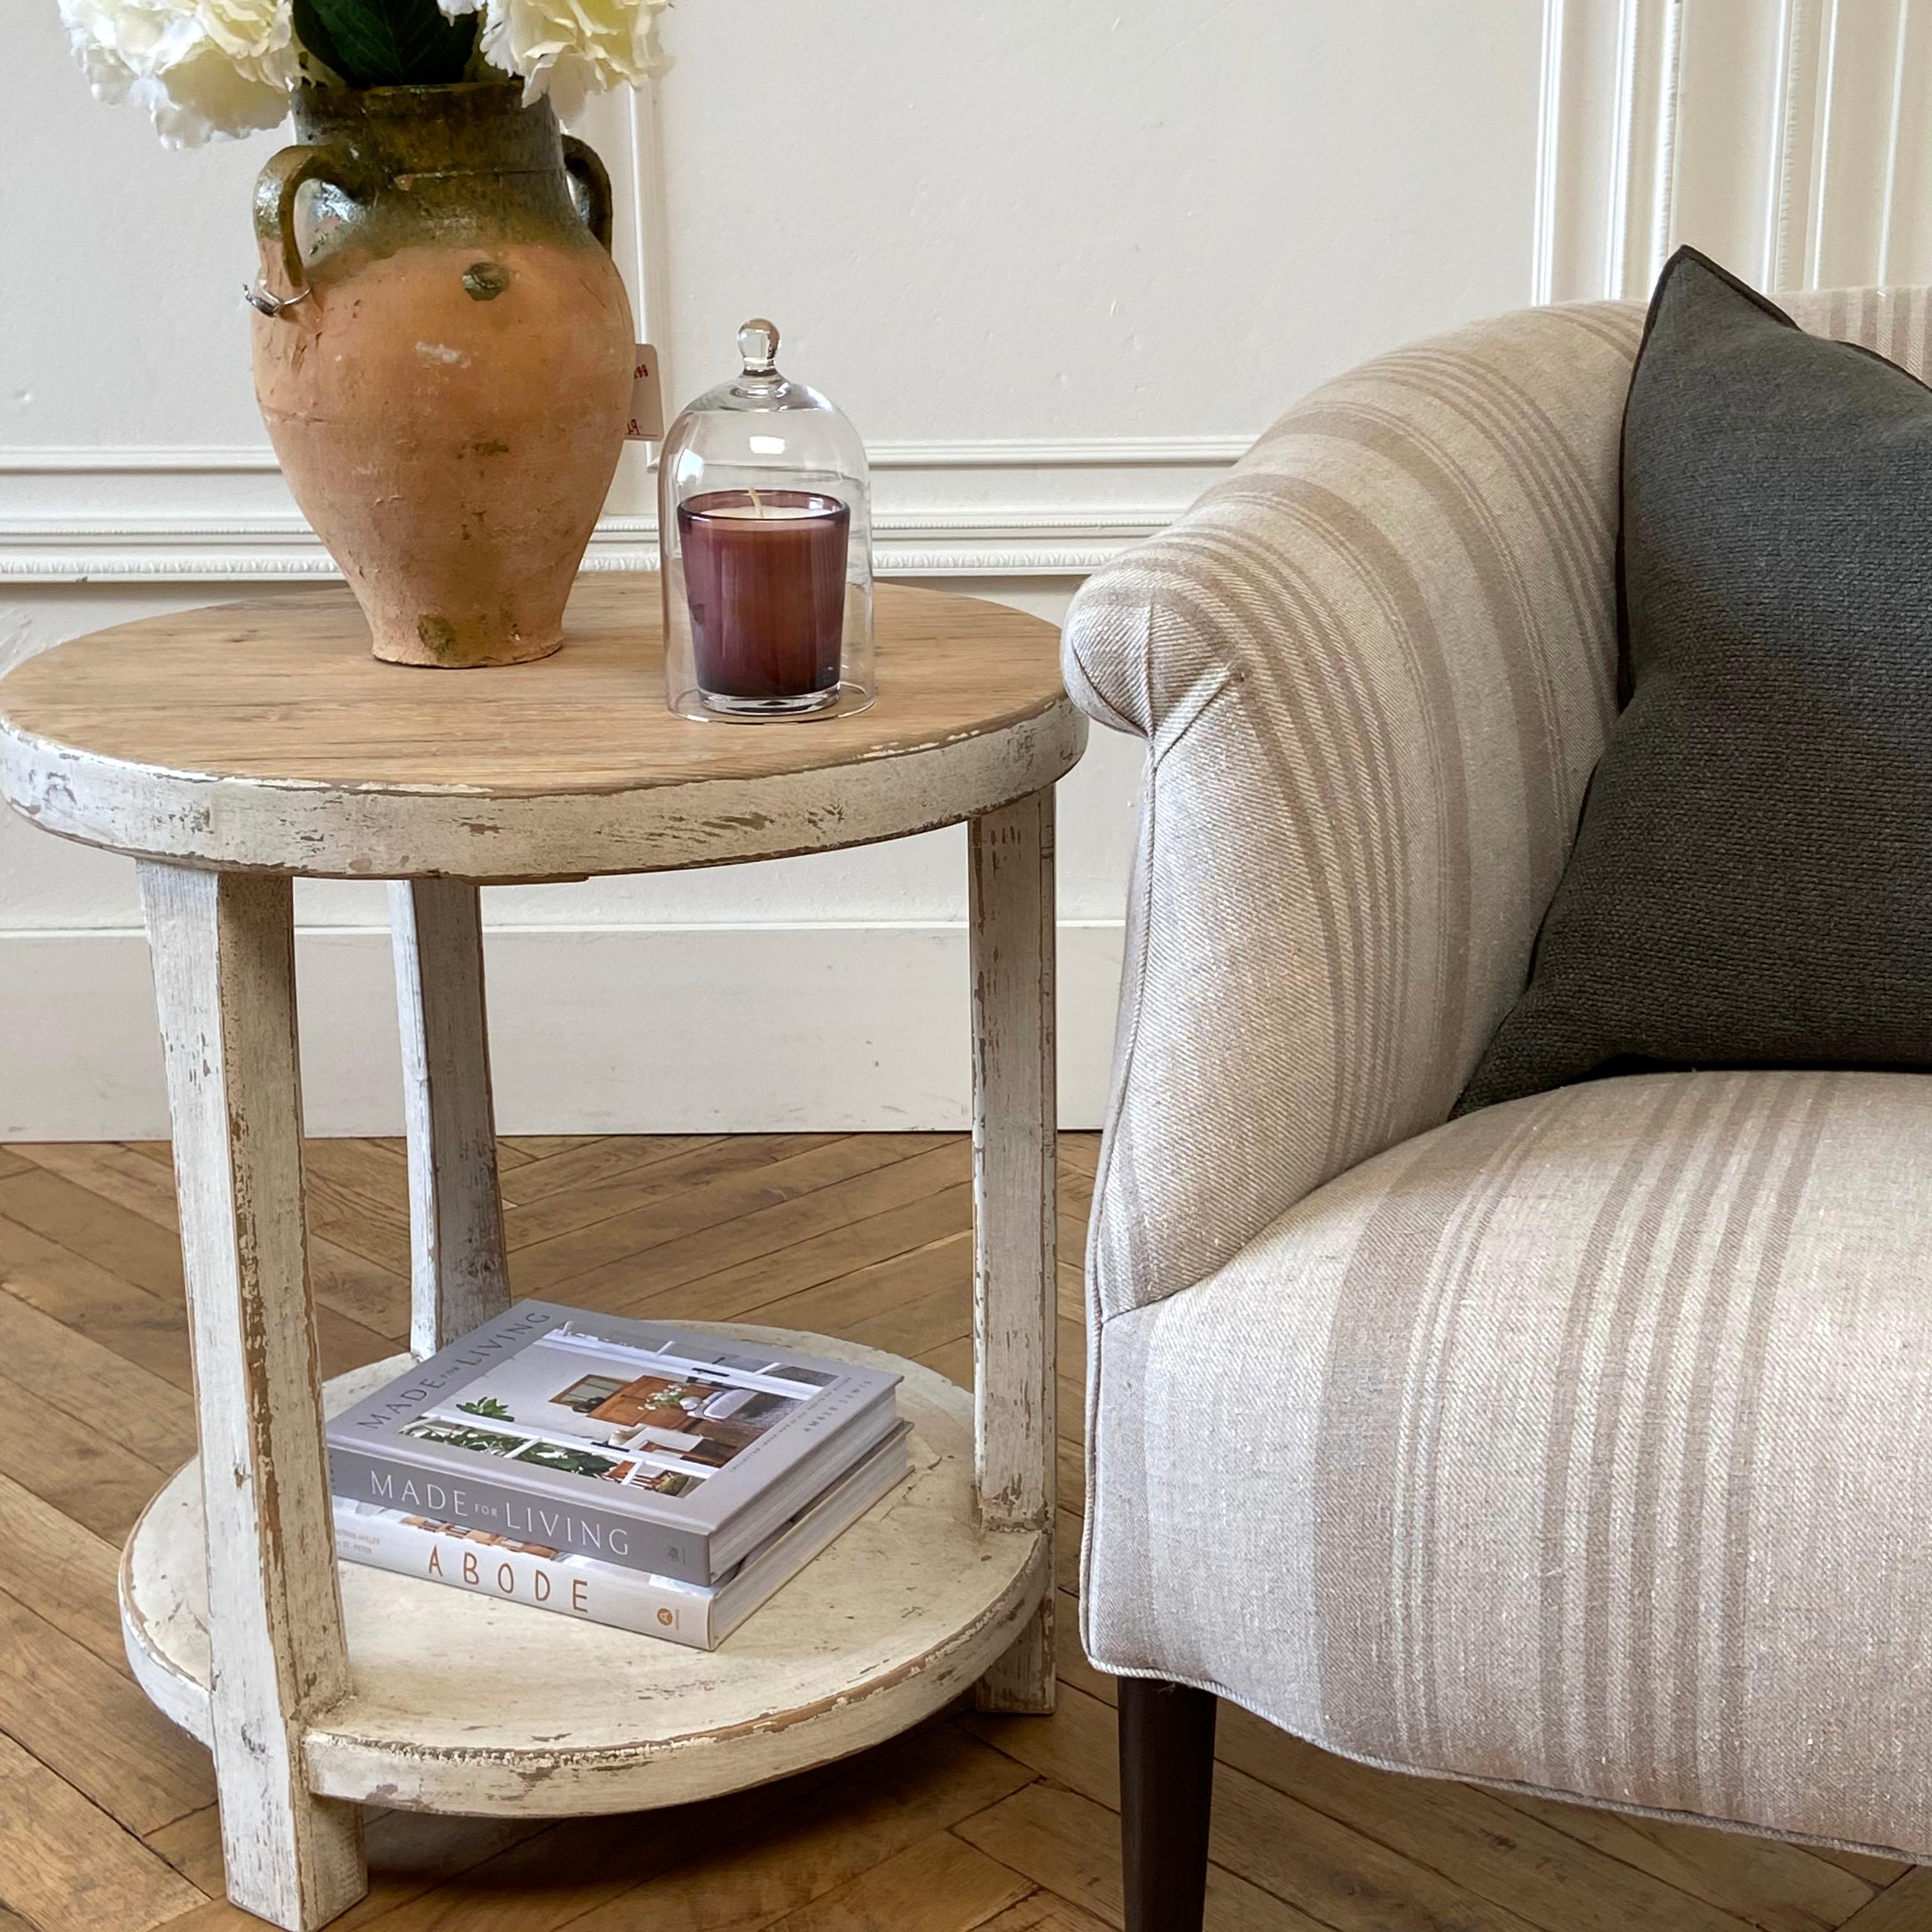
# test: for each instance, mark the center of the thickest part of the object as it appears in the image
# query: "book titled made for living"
(486, 1564)
(659, 1448)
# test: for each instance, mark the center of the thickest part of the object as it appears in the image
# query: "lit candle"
(764, 571)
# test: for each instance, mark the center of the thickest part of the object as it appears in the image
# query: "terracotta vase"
(442, 351)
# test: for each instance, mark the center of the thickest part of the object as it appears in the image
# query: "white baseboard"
(626, 1029)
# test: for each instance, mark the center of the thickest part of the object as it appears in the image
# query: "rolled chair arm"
(1375, 667)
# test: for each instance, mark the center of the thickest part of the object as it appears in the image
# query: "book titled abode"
(486, 1564)
(658, 1448)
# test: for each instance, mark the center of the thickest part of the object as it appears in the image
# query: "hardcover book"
(487, 1564)
(656, 1448)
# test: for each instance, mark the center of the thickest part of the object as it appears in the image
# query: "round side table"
(234, 749)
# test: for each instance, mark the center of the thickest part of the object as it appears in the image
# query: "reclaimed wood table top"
(262, 736)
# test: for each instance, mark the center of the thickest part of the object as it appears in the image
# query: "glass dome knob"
(758, 344)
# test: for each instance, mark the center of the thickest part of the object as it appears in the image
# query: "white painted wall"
(1059, 261)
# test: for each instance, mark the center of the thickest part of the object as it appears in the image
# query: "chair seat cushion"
(1584, 1443)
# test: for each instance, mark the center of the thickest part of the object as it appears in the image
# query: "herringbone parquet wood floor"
(106, 1817)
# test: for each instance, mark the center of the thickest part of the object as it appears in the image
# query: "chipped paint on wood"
(224, 978)
(900, 1617)
(457, 1278)
(1015, 1112)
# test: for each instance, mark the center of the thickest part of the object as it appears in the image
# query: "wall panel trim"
(1782, 136)
(1608, 123)
(1015, 506)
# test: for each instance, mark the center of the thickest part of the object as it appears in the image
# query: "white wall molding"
(1855, 207)
(1789, 139)
(1643, 181)
(594, 1029)
(1009, 544)
(1551, 219)
(1607, 137)
(1003, 507)
(984, 453)
(1790, 157)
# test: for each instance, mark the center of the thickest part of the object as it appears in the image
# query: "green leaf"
(315, 37)
(387, 42)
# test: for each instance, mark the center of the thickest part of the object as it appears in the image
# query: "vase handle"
(579, 158)
(284, 278)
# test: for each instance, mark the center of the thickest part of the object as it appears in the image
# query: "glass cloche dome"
(765, 528)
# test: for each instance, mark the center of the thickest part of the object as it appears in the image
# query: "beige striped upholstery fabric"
(1580, 1444)
(1382, 650)
(1584, 1443)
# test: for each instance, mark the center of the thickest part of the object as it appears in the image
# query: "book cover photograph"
(627, 1441)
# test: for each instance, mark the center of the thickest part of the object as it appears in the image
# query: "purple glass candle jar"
(764, 574)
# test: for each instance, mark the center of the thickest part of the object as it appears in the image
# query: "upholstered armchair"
(1582, 1443)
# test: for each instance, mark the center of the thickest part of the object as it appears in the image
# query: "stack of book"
(621, 1472)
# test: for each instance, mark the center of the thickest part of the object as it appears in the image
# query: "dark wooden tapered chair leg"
(1167, 1791)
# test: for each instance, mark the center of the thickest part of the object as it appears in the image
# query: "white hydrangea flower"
(204, 69)
(569, 49)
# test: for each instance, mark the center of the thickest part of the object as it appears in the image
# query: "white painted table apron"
(233, 749)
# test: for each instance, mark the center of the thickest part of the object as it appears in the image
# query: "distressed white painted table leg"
(457, 1279)
(1015, 1113)
(223, 947)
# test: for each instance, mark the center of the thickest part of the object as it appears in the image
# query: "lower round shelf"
(464, 1704)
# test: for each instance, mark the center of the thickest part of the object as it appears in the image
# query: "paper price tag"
(646, 423)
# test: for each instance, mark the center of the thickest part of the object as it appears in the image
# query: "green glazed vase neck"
(460, 164)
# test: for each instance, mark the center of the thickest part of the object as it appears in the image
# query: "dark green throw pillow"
(1752, 881)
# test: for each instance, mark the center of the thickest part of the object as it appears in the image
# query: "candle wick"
(758, 504)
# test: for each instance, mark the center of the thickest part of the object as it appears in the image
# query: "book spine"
(609, 1536)
(623, 1599)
